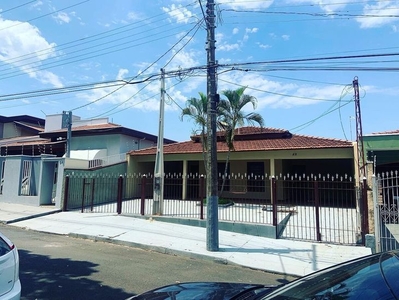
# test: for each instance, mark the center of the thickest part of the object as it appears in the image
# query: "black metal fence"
(318, 208)
(387, 202)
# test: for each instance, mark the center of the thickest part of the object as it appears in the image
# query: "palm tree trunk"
(204, 150)
(224, 174)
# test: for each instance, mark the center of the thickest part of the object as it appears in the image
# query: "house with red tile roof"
(257, 152)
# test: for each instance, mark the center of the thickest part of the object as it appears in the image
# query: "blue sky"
(96, 46)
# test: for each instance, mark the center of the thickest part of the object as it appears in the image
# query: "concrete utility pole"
(361, 165)
(212, 230)
(157, 208)
(67, 123)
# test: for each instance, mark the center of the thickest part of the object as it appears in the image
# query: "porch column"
(272, 174)
(272, 167)
(184, 185)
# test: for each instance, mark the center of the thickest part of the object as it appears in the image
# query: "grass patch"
(221, 201)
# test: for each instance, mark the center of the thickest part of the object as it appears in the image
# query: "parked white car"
(10, 285)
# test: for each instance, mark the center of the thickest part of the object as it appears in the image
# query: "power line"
(278, 94)
(86, 40)
(15, 7)
(142, 72)
(197, 27)
(123, 102)
(45, 15)
(79, 58)
(313, 14)
(312, 59)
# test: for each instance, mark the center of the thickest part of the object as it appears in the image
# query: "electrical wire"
(115, 90)
(79, 59)
(328, 15)
(79, 42)
(15, 7)
(327, 112)
(185, 44)
(123, 102)
(195, 29)
(278, 94)
(144, 100)
(45, 15)
(142, 72)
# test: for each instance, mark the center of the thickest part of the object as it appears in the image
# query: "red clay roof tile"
(260, 140)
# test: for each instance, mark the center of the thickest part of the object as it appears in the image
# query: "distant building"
(33, 162)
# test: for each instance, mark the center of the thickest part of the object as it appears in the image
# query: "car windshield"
(360, 280)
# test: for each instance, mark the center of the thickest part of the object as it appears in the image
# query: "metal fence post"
(377, 225)
(83, 195)
(142, 206)
(317, 209)
(364, 211)
(201, 196)
(274, 202)
(92, 194)
(119, 198)
(66, 193)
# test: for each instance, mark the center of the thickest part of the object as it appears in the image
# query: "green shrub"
(221, 201)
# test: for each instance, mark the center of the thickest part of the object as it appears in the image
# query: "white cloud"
(37, 4)
(228, 47)
(122, 73)
(328, 6)
(264, 46)
(62, 17)
(246, 4)
(22, 46)
(378, 9)
(133, 16)
(381, 12)
(274, 36)
(274, 94)
(235, 30)
(184, 59)
(131, 96)
(249, 31)
(47, 77)
(179, 13)
(222, 45)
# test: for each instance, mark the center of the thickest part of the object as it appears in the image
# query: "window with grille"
(255, 179)
(26, 178)
(3, 166)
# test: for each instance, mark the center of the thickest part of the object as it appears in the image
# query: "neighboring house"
(258, 152)
(382, 152)
(33, 161)
(384, 148)
(22, 125)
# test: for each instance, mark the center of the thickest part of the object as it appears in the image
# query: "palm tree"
(196, 109)
(231, 116)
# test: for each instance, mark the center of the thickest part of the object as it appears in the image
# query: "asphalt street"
(62, 267)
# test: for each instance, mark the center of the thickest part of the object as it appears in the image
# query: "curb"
(31, 217)
(164, 250)
(157, 249)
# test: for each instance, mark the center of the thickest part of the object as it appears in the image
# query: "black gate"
(386, 194)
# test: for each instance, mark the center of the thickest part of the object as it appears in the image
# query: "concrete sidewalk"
(280, 256)
(11, 213)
